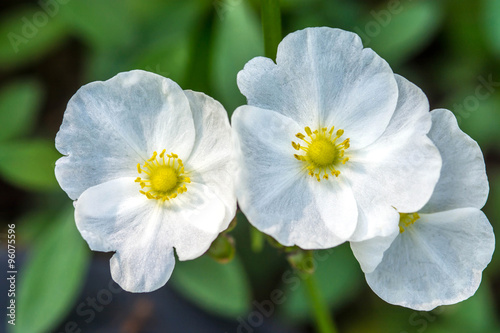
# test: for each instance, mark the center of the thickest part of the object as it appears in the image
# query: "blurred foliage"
(29, 164)
(338, 276)
(28, 33)
(19, 103)
(222, 249)
(491, 24)
(219, 288)
(449, 48)
(52, 276)
(398, 37)
(237, 39)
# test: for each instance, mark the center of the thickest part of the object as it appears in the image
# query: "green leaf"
(168, 58)
(102, 23)
(339, 279)
(271, 24)
(28, 33)
(19, 102)
(397, 33)
(464, 34)
(219, 288)
(475, 314)
(238, 38)
(477, 116)
(32, 224)
(51, 278)
(162, 41)
(491, 24)
(29, 164)
(144, 10)
(316, 13)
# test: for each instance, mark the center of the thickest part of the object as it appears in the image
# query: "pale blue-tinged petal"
(369, 253)
(114, 216)
(110, 126)
(436, 261)
(398, 171)
(463, 181)
(275, 192)
(324, 77)
(211, 160)
(143, 265)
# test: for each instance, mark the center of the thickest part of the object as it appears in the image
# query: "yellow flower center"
(406, 220)
(165, 177)
(322, 152)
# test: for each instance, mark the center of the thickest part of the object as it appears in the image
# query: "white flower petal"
(436, 261)
(114, 216)
(263, 141)
(144, 265)
(111, 126)
(108, 214)
(274, 192)
(376, 218)
(211, 160)
(463, 181)
(411, 116)
(336, 205)
(195, 221)
(369, 253)
(399, 170)
(324, 76)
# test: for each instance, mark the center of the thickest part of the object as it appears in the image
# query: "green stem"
(324, 321)
(271, 25)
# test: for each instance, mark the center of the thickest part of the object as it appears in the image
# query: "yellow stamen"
(166, 179)
(322, 153)
(406, 220)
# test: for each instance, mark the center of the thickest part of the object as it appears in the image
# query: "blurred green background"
(49, 48)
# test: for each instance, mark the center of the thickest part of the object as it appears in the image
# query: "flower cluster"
(332, 147)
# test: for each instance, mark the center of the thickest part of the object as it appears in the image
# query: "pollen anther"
(322, 153)
(165, 177)
(406, 220)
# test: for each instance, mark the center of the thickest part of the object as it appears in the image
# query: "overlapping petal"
(397, 172)
(114, 216)
(324, 77)
(369, 253)
(439, 259)
(212, 154)
(195, 221)
(275, 193)
(463, 181)
(436, 261)
(111, 126)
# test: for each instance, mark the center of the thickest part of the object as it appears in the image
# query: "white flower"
(439, 253)
(331, 140)
(149, 166)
